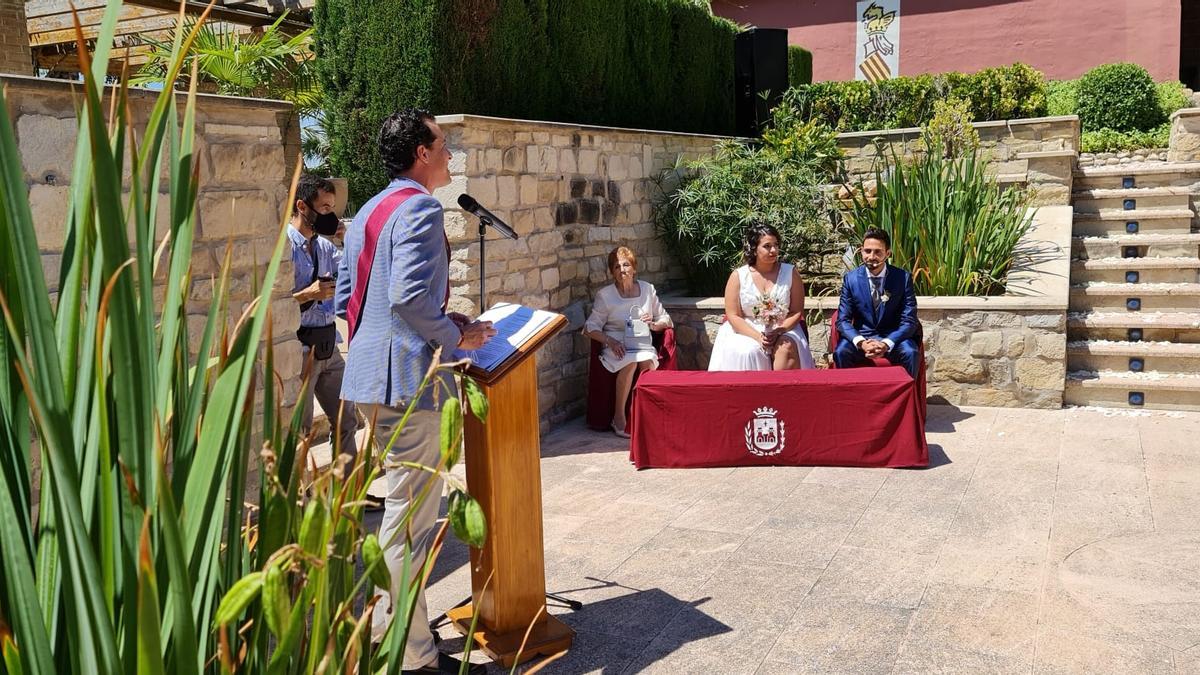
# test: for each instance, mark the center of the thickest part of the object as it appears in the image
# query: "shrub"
(664, 64)
(992, 94)
(1109, 140)
(951, 224)
(707, 204)
(1118, 96)
(950, 131)
(1171, 97)
(1062, 97)
(799, 66)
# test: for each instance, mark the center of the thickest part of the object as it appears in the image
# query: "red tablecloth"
(852, 417)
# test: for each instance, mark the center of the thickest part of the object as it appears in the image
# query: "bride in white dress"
(764, 305)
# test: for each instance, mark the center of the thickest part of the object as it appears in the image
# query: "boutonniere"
(884, 297)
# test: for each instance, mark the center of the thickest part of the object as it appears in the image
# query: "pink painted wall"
(1062, 38)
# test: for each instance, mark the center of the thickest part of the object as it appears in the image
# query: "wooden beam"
(58, 29)
(221, 13)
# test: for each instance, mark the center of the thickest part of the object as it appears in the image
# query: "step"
(1124, 215)
(1115, 297)
(1149, 174)
(1159, 391)
(1147, 245)
(1179, 327)
(1101, 355)
(1105, 199)
(1183, 270)
(1138, 221)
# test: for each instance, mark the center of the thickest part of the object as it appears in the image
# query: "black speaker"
(759, 65)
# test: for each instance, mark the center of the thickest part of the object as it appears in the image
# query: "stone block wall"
(572, 193)
(1185, 136)
(247, 152)
(15, 56)
(1007, 144)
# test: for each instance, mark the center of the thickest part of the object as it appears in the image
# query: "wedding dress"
(734, 351)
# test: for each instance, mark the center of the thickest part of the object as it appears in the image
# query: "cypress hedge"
(658, 64)
(799, 66)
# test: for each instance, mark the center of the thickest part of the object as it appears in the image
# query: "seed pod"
(376, 566)
(238, 598)
(312, 529)
(276, 603)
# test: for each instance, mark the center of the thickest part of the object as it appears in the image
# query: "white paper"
(515, 325)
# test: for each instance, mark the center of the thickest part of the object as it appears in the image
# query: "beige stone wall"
(246, 151)
(1185, 136)
(1039, 152)
(1007, 350)
(572, 193)
(15, 56)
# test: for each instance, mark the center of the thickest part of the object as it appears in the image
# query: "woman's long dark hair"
(754, 234)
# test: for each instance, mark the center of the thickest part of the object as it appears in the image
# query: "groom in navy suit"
(877, 315)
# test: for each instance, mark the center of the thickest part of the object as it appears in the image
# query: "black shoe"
(447, 664)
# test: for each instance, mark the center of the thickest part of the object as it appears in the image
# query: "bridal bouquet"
(768, 309)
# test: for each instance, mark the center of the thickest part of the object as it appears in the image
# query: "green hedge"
(1118, 94)
(799, 66)
(993, 94)
(658, 64)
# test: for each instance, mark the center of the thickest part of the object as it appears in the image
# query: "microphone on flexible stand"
(468, 203)
(486, 218)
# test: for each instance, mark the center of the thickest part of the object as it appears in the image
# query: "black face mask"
(325, 224)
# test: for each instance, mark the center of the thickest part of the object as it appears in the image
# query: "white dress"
(609, 314)
(734, 351)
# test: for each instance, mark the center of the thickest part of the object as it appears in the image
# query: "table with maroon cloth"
(844, 417)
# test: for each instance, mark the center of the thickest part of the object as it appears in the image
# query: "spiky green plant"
(142, 555)
(952, 225)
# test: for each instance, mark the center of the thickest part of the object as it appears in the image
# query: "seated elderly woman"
(764, 306)
(616, 322)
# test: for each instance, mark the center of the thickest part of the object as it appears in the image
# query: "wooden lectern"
(508, 575)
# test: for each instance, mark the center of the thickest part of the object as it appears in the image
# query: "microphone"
(468, 203)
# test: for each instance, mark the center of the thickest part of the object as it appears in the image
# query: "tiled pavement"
(1063, 541)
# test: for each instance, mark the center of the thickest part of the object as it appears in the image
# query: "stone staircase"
(1133, 331)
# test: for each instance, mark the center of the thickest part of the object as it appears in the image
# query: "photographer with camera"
(315, 261)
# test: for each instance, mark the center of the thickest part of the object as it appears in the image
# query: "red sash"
(366, 258)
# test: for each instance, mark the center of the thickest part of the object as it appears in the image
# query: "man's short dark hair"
(308, 187)
(402, 132)
(881, 235)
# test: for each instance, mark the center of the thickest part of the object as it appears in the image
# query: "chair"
(602, 384)
(835, 337)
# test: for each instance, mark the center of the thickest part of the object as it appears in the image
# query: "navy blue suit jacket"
(895, 319)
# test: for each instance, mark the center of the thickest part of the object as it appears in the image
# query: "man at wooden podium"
(393, 289)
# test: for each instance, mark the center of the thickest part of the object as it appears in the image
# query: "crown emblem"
(765, 411)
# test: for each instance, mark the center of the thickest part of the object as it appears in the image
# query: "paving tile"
(1147, 583)
(902, 525)
(752, 592)
(590, 652)
(695, 643)
(819, 503)
(1174, 468)
(793, 542)
(1174, 505)
(1000, 526)
(575, 496)
(840, 637)
(1033, 481)
(1101, 477)
(762, 483)
(1188, 663)
(848, 477)
(1085, 516)
(1068, 652)
(927, 659)
(885, 578)
(719, 515)
(976, 566)
(981, 620)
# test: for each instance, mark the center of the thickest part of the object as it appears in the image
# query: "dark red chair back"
(602, 384)
(835, 337)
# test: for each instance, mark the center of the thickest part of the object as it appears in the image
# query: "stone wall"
(572, 193)
(1141, 156)
(247, 152)
(1005, 350)
(1185, 136)
(1039, 152)
(15, 56)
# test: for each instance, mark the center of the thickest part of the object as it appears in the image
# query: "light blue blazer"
(402, 318)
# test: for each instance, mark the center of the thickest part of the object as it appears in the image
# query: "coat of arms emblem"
(764, 433)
